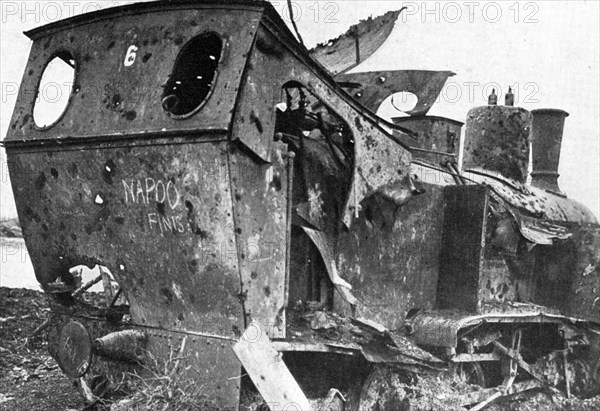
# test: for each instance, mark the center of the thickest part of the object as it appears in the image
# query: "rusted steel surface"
(390, 256)
(584, 296)
(437, 138)
(497, 139)
(112, 97)
(424, 172)
(378, 158)
(372, 88)
(260, 92)
(159, 217)
(379, 161)
(532, 200)
(339, 55)
(260, 204)
(462, 247)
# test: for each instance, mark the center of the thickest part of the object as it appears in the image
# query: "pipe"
(546, 135)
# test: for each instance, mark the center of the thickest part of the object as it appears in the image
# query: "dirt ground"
(30, 380)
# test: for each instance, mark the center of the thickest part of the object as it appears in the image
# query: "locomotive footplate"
(516, 348)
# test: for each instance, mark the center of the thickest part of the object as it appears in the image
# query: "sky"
(548, 51)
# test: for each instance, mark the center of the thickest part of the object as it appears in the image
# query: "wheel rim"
(381, 391)
(471, 373)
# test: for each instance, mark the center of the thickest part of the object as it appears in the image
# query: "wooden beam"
(268, 372)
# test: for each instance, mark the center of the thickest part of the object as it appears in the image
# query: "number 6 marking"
(130, 57)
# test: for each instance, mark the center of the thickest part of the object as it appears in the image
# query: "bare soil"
(29, 378)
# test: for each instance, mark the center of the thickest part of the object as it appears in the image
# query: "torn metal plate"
(372, 88)
(340, 54)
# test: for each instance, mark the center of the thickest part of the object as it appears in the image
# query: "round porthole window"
(193, 77)
(54, 90)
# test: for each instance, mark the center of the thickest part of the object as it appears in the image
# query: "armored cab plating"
(253, 219)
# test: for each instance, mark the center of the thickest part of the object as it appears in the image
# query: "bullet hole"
(119, 220)
(238, 197)
(254, 275)
(256, 120)
(238, 231)
(267, 291)
(73, 237)
(276, 183)
(192, 298)
(97, 224)
(40, 182)
(110, 45)
(26, 118)
(73, 170)
(71, 39)
(146, 57)
(167, 294)
(130, 115)
(54, 173)
(109, 169)
(358, 124)
(180, 317)
(116, 100)
(161, 208)
(30, 73)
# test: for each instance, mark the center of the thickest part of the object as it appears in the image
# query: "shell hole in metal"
(404, 101)
(54, 90)
(193, 76)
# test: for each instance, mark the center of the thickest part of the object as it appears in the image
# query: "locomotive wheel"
(471, 373)
(381, 391)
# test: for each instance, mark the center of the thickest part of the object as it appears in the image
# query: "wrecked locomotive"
(254, 219)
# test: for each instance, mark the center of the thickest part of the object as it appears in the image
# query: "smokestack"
(497, 139)
(546, 134)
